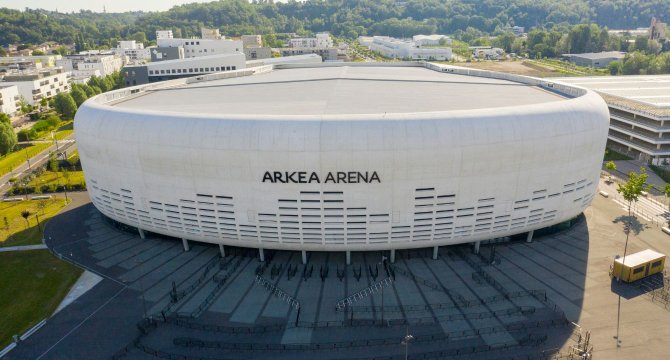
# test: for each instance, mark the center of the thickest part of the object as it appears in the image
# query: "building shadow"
(643, 286)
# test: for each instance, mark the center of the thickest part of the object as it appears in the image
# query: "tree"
(26, 214)
(633, 188)
(611, 167)
(8, 138)
(4, 118)
(53, 163)
(666, 192)
(65, 105)
(79, 95)
(42, 204)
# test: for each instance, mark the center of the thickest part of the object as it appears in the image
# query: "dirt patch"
(512, 67)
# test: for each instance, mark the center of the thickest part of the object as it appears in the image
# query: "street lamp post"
(626, 229)
(406, 340)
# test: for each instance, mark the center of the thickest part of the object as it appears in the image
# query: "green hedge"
(661, 172)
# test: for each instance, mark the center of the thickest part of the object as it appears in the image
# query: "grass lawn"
(10, 161)
(18, 234)
(50, 177)
(32, 284)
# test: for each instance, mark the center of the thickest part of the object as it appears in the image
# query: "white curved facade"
(433, 177)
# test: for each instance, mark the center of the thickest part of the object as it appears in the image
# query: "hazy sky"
(96, 5)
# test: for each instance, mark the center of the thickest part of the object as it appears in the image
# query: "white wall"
(446, 178)
(8, 96)
(48, 87)
(203, 47)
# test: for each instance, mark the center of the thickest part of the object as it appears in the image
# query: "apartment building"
(36, 85)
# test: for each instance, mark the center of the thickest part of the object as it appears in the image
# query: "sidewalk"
(23, 248)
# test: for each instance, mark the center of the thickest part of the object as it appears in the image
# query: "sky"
(96, 5)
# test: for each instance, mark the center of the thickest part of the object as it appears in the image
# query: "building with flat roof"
(133, 50)
(343, 157)
(327, 54)
(9, 99)
(87, 65)
(405, 49)
(639, 109)
(179, 68)
(36, 85)
(38, 61)
(595, 60)
(202, 47)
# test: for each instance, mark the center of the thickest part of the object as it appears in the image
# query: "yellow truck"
(637, 266)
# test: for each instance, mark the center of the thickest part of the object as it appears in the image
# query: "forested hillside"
(348, 18)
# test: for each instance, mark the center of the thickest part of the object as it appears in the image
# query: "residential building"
(179, 68)
(164, 34)
(518, 30)
(658, 30)
(133, 50)
(83, 65)
(36, 61)
(252, 40)
(595, 60)
(210, 34)
(322, 40)
(252, 53)
(639, 108)
(487, 52)
(327, 54)
(36, 85)
(9, 99)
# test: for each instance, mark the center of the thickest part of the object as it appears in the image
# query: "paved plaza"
(514, 299)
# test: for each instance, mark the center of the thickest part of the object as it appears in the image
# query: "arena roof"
(341, 90)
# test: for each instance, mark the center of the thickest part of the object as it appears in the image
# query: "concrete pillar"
(142, 236)
(477, 247)
(392, 256)
(529, 238)
(348, 255)
(261, 255)
(435, 250)
(304, 257)
(185, 243)
(222, 250)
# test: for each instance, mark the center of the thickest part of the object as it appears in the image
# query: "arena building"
(343, 157)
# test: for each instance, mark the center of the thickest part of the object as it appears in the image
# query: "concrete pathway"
(22, 248)
(86, 282)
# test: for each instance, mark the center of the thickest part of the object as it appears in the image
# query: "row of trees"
(639, 63)
(345, 18)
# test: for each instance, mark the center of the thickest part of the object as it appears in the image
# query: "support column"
(477, 247)
(142, 236)
(261, 255)
(348, 255)
(529, 238)
(304, 257)
(435, 250)
(222, 250)
(392, 256)
(185, 243)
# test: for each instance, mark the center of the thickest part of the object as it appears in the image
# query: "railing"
(276, 291)
(375, 287)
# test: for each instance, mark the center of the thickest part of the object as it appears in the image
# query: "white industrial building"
(639, 109)
(9, 99)
(430, 40)
(36, 85)
(404, 49)
(179, 68)
(343, 157)
(202, 47)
